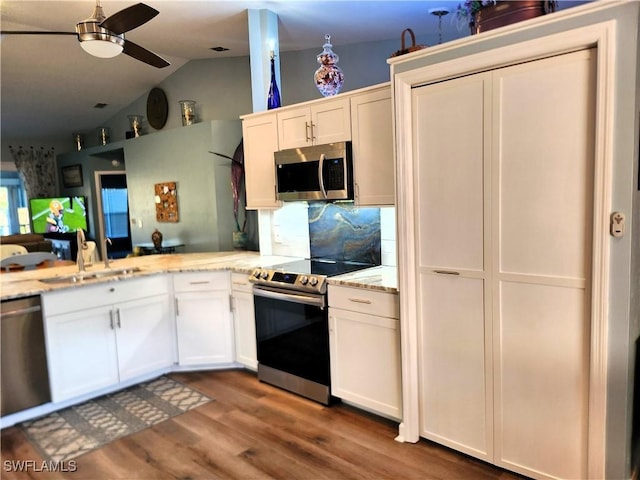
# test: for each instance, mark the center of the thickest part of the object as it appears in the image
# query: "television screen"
(58, 214)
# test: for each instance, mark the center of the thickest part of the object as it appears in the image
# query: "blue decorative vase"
(273, 100)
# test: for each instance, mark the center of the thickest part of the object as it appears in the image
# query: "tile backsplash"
(285, 231)
(388, 236)
(339, 231)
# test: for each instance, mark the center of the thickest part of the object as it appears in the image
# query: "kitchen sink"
(84, 276)
(112, 272)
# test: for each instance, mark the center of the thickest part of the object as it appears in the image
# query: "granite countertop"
(381, 278)
(26, 283)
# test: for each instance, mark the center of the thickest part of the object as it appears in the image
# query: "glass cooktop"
(328, 268)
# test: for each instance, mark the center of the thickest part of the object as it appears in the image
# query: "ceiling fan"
(104, 37)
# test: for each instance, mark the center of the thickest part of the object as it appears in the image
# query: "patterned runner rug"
(79, 429)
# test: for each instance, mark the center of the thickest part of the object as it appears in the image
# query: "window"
(116, 212)
(14, 215)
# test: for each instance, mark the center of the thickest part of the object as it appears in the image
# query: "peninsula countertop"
(30, 282)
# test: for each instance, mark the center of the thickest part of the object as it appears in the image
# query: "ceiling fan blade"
(129, 18)
(144, 55)
(32, 32)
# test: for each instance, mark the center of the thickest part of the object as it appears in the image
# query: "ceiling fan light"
(98, 41)
(101, 48)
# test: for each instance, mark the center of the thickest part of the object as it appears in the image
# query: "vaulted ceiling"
(49, 84)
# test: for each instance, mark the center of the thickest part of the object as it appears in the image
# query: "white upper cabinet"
(315, 124)
(363, 117)
(372, 141)
(260, 138)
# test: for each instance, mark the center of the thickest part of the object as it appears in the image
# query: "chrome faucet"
(82, 245)
(103, 252)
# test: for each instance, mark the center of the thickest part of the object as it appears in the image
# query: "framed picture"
(166, 198)
(72, 176)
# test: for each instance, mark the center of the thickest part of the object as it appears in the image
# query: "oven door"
(292, 333)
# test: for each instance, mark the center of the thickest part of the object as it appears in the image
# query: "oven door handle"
(277, 294)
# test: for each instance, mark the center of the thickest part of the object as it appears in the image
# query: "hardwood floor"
(256, 431)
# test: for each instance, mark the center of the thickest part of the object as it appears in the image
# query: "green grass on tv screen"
(58, 214)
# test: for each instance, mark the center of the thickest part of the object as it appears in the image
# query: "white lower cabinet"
(364, 338)
(244, 320)
(109, 334)
(203, 318)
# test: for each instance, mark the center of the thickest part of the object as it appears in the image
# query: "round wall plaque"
(157, 108)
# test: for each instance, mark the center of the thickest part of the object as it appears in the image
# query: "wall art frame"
(166, 200)
(72, 176)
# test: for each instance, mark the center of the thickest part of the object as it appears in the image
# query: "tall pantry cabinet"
(516, 151)
(503, 230)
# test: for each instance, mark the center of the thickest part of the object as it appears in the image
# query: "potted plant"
(483, 15)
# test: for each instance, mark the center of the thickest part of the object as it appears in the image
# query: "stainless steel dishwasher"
(23, 371)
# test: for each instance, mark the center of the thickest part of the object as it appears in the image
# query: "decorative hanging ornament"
(329, 78)
(273, 99)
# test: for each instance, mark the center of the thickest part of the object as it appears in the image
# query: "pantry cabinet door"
(543, 130)
(455, 395)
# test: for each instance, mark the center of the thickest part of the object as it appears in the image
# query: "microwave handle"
(320, 178)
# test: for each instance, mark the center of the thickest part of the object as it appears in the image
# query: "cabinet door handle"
(111, 319)
(306, 129)
(118, 316)
(446, 272)
(177, 309)
(201, 282)
(360, 300)
(312, 132)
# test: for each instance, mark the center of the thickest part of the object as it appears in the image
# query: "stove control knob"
(256, 273)
(313, 281)
(303, 280)
(264, 274)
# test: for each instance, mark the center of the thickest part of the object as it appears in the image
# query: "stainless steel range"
(292, 324)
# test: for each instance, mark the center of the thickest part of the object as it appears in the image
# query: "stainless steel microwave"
(321, 172)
